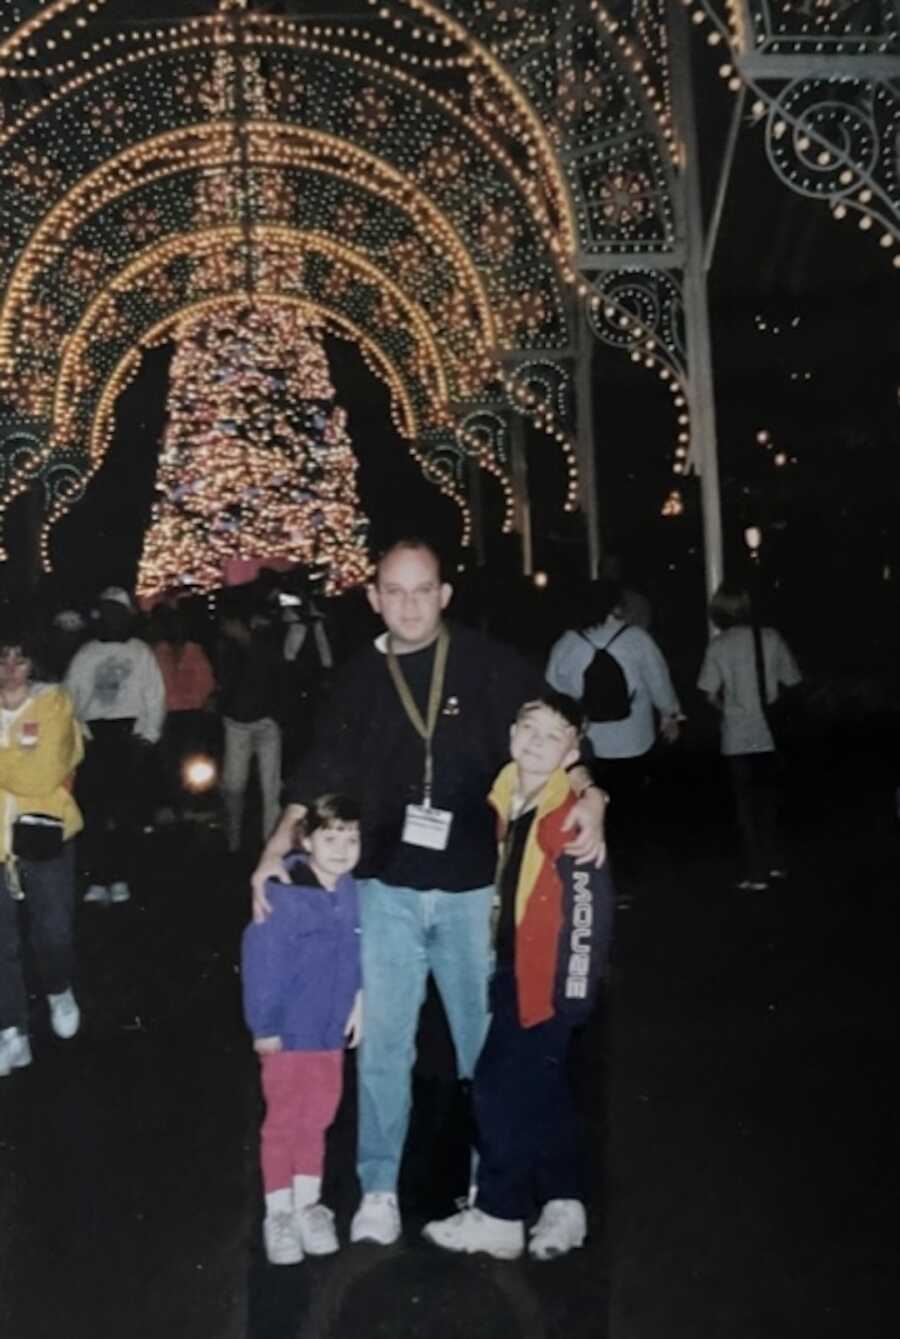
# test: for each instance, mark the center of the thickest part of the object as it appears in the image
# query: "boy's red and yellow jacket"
(563, 910)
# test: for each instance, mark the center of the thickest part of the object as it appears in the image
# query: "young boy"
(553, 923)
(302, 1002)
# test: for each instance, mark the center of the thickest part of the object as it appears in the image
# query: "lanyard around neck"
(427, 726)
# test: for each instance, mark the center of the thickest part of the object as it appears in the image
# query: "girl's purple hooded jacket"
(301, 966)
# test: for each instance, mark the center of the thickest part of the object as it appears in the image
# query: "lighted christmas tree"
(256, 468)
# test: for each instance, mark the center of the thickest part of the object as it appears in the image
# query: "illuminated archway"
(436, 118)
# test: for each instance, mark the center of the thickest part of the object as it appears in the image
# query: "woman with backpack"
(621, 678)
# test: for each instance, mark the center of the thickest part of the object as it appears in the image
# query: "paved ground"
(747, 1191)
(753, 1153)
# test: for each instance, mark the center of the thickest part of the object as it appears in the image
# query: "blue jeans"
(406, 934)
(49, 909)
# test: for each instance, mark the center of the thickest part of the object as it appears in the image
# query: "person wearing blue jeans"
(48, 889)
(40, 748)
(406, 934)
(416, 728)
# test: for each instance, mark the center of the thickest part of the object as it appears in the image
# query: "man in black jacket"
(417, 728)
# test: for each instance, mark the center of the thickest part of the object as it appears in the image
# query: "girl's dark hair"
(328, 811)
(730, 607)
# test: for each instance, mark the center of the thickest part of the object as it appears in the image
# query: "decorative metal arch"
(535, 174)
(825, 79)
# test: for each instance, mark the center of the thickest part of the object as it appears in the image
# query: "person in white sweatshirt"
(119, 696)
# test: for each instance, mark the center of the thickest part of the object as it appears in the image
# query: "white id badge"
(427, 827)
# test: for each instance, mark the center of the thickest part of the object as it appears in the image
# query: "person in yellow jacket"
(40, 748)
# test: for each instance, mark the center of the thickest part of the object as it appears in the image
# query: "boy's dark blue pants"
(528, 1136)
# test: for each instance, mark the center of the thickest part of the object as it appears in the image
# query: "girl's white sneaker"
(281, 1238)
(315, 1227)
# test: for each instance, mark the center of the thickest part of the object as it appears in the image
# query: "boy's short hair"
(327, 811)
(569, 708)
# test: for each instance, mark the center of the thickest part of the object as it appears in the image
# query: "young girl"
(302, 1002)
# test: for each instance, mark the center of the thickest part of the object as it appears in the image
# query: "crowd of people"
(436, 805)
(101, 713)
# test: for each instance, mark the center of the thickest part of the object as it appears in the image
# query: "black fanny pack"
(37, 837)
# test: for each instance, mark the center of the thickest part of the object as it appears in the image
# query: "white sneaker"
(97, 892)
(561, 1227)
(119, 892)
(15, 1050)
(65, 1015)
(471, 1231)
(377, 1219)
(282, 1241)
(315, 1227)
